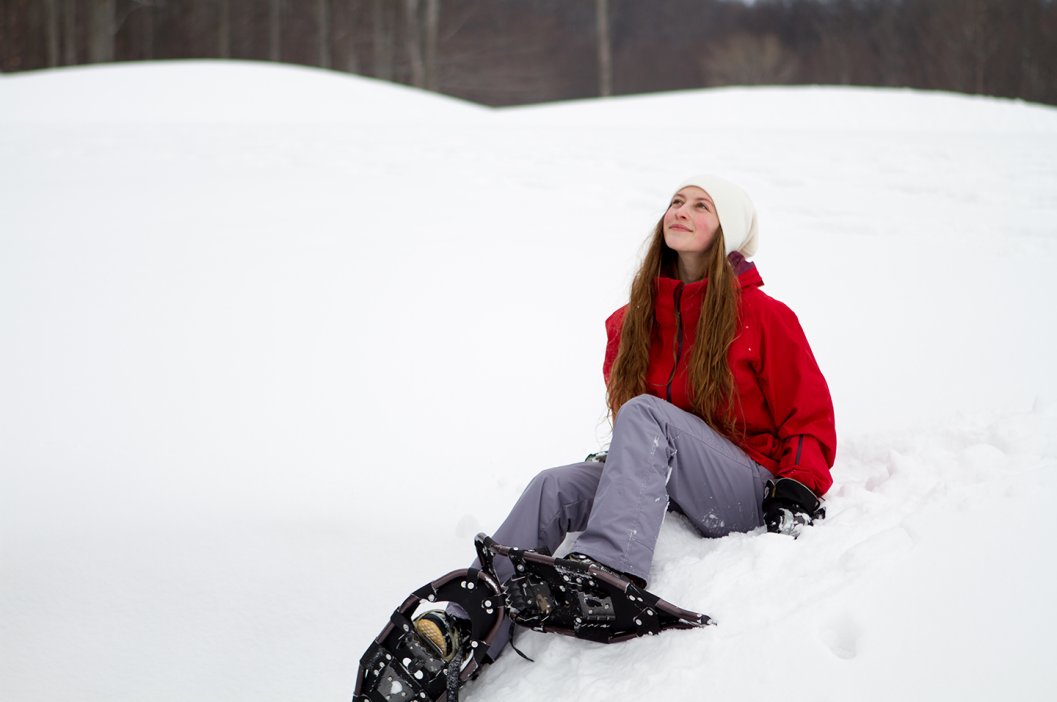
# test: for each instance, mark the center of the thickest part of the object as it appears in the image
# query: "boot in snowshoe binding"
(431, 656)
(441, 631)
(579, 597)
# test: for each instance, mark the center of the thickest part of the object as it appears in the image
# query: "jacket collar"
(748, 277)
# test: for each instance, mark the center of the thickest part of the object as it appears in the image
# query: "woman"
(714, 391)
(720, 410)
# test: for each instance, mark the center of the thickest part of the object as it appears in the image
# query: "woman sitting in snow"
(721, 412)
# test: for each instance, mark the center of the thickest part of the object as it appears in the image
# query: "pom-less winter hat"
(737, 215)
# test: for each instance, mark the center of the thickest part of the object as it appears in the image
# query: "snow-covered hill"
(276, 343)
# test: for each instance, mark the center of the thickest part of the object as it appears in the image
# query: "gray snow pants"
(659, 453)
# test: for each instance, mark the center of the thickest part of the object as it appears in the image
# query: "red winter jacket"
(788, 413)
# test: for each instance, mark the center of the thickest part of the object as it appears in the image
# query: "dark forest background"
(504, 52)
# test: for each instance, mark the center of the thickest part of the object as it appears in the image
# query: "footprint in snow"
(842, 635)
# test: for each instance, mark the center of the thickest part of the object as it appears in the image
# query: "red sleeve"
(799, 399)
(614, 325)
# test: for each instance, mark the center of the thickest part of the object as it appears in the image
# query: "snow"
(277, 342)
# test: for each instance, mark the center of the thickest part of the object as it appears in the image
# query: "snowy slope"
(277, 342)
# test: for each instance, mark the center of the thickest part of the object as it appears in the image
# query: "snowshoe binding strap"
(577, 597)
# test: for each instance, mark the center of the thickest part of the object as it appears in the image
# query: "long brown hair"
(710, 378)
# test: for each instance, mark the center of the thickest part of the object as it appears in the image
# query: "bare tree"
(432, 29)
(102, 29)
(344, 28)
(605, 48)
(224, 28)
(421, 29)
(275, 34)
(69, 33)
(383, 29)
(323, 32)
(137, 38)
(976, 31)
(147, 27)
(1030, 80)
(413, 43)
(51, 31)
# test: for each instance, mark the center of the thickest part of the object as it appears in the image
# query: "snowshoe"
(578, 597)
(435, 642)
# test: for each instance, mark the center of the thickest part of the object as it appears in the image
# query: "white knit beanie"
(735, 210)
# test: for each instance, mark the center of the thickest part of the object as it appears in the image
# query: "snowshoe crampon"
(431, 654)
(581, 599)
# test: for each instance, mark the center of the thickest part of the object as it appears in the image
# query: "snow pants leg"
(659, 453)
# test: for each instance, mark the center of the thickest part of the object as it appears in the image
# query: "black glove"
(789, 506)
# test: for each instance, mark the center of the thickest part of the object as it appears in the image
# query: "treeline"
(502, 52)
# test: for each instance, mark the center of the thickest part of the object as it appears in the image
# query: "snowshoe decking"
(431, 663)
(580, 599)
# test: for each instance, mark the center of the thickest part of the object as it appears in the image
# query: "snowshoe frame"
(399, 667)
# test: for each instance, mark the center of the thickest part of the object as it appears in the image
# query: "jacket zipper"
(678, 341)
(799, 446)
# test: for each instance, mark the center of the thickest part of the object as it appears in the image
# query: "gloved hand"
(789, 506)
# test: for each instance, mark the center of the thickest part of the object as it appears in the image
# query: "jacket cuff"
(803, 460)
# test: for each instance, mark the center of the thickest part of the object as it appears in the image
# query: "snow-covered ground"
(275, 343)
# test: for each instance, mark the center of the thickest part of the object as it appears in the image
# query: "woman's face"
(691, 222)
